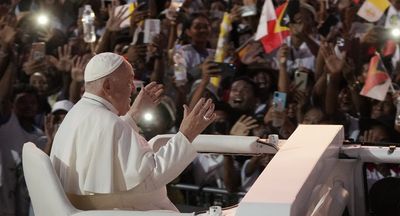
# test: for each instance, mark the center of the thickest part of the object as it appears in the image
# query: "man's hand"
(196, 120)
(209, 69)
(332, 62)
(115, 19)
(243, 126)
(283, 53)
(64, 62)
(49, 126)
(77, 71)
(148, 98)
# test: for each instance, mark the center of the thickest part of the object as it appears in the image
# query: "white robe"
(97, 152)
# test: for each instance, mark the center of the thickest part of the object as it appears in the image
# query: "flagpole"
(386, 71)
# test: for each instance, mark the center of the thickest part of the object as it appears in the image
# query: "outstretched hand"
(148, 98)
(196, 120)
(243, 126)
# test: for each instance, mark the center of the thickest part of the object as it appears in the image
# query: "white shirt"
(192, 58)
(97, 152)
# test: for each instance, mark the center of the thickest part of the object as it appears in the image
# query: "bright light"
(148, 116)
(396, 32)
(42, 19)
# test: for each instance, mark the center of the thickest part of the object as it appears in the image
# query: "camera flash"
(148, 116)
(42, 19)
(396, 32)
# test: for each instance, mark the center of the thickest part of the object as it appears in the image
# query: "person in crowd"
(17, 127)
(53, 120)
(94, 156)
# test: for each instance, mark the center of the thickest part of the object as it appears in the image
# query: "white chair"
(47, 195)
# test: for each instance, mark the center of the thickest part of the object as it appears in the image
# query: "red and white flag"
(377, 82)
(273, 26)
(267, 14)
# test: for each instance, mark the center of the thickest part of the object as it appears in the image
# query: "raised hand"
(46, 34)
(49, 126)
(77, 70)
(64, 61)
(156, 46)
(7, 31)
(209, 69)
(196, 120)
(283, 53)
(243, 126)
(332, 62)
(236, 13)
(33, 65)
(115, 19)
(148, 98)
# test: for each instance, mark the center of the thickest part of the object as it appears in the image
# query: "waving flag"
(372, 10)
(378, 81)
(273, 26)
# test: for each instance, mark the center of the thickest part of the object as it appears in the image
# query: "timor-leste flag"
(377, 82)
(275, 23)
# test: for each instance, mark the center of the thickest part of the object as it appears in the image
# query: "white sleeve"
(153, 170)
(128, 119)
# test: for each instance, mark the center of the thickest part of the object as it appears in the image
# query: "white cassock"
(103, 163)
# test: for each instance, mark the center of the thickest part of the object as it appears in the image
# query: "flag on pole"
(275, 23)
(267, 15)
(223, 37)
(378, 81)
(372, 10)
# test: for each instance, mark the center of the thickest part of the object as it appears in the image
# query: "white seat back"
(45, 190)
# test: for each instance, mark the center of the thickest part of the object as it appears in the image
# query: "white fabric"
(372, 10)
(392, 18)
(97, 152)
(102, 65)
(12, 138)
(301, 57)
(208, 168)
(65, 105)
(192, 58)
(267, 14)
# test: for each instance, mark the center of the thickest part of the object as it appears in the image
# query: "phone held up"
(38, 51)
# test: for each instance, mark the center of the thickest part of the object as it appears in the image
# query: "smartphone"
(300, 79)
(226, 68)
(38, 51)
(326, 26)
(151, 29)
(279, 101)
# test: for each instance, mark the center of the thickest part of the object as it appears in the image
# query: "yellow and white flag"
(372, 10)
(223, 39)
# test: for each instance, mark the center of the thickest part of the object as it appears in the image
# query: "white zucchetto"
(102, 65)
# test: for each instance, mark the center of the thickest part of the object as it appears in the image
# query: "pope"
(98, 154)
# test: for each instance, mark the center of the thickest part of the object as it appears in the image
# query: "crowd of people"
(320, 67)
